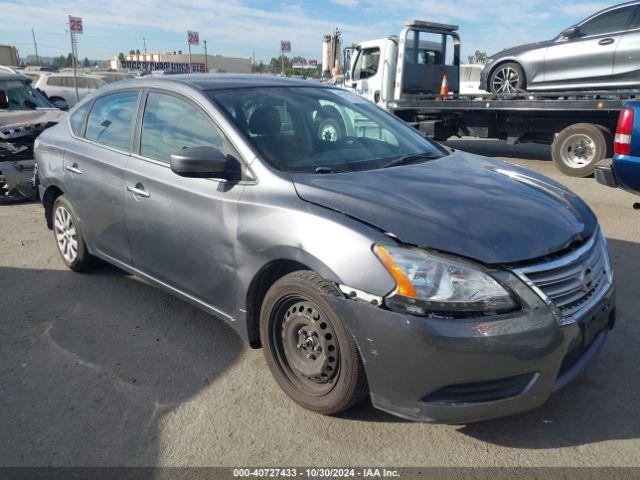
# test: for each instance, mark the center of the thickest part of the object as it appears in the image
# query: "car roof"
(4, 75)
(220, 81)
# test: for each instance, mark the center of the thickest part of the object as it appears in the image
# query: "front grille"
(573, 282)
(478, 392)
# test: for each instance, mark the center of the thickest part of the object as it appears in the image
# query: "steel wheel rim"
(66, 234)
(329, 132)
(306, 345)
(578, 150)
(506, 80)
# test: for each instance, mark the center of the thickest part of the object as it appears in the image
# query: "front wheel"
(507, 78)
(307, 347)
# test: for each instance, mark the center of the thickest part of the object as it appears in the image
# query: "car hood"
(464, 204)
(513, 51)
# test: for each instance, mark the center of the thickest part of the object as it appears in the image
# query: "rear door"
(181, 230)
(626, 64)
(94, 171)
(587, 57)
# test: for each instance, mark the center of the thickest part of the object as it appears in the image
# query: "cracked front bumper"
(463, 371)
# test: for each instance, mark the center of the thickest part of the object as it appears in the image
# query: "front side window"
(171, 123)
(313, 129)
(609, 22)
(112, 118)
(367, 63)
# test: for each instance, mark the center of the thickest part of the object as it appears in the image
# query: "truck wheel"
(310, 353)
(69, 238)
(578, 148)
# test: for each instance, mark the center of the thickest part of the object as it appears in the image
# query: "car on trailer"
(404, 74)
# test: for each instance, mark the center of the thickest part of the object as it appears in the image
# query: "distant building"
(179, 62)
(9, 55)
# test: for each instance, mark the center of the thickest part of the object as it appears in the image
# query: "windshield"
(18, 95)
(315, 129)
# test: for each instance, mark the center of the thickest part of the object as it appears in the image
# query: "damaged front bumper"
(463, 371)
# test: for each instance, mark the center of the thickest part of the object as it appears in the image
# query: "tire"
(578, 148)
(333, 379)
(69, 238)
(507, 78)
(330, 126)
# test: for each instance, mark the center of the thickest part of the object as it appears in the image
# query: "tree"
(138, 51)
(121, 57)
(478, 57)
(86, 62)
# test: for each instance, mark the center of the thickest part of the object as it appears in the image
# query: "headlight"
(428, 283)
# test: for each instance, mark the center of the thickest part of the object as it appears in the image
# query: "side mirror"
(61, 104)
(570, 32)
(201, 162)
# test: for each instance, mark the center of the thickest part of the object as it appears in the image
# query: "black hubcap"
(307, 347)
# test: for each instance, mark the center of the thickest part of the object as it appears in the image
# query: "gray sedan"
(363, 258)
(600, 52)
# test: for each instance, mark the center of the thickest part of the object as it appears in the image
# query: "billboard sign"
(193, 38)
(75, 24)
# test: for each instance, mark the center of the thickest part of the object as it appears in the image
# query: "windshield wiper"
(412, 158)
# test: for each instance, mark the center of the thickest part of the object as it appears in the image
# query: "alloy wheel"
(506, 80)
(66, 234)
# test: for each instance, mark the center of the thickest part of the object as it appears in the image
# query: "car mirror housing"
(201, 162)
(570, 32)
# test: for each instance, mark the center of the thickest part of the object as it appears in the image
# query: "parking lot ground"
(102, 369)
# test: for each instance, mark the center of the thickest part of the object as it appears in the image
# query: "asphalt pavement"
(103, 369)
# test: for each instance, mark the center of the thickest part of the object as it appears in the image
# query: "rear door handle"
(606, 41)
(74, 168)
(140, 192)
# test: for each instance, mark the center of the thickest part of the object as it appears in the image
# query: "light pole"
(206, 63)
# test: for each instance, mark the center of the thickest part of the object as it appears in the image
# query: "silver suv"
(602, 51)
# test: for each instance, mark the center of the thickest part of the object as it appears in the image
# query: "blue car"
(624, 170)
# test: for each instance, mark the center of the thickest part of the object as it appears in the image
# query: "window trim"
(248, 178)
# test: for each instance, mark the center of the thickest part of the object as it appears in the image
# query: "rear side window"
(171, 123)
(54, 81)
(77, 118)
(609, 22)
(111, 119)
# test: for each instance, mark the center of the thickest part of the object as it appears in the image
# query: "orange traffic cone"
(444, 88)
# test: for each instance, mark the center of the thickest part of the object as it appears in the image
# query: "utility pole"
(206, 63)
(35, 46)
(190, 67)
(144, 42)
(253, 60)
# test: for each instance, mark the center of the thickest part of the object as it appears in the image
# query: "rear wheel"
(308, 349)
(69, 238)
(507, 78)
(578, 148)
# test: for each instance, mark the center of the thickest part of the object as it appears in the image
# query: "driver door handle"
(74, 168)
(136, 190)
(606, 41)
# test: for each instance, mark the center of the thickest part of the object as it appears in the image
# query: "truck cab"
(412, 64)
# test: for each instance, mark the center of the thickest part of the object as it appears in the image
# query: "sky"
(237, 27)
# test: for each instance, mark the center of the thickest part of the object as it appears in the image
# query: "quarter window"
(77, 118)
(111, 119)
(609, 22)
(170, 124)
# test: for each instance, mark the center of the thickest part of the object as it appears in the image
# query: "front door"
(94, 171)
(587, 57)
(182, 230)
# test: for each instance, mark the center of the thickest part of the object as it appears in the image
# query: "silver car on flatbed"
(600, 52)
